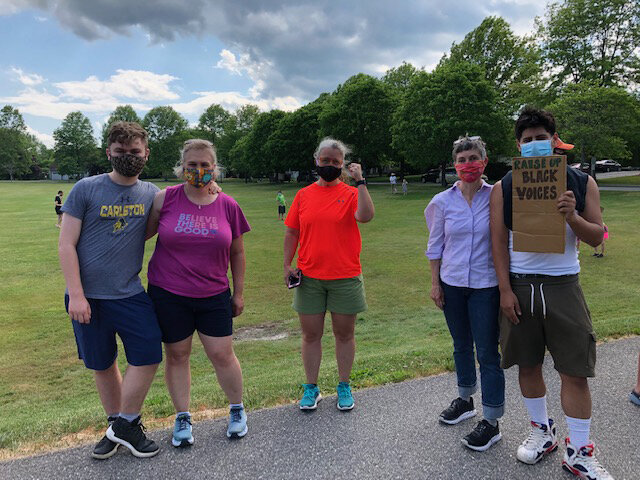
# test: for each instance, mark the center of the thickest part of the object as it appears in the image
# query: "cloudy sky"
(66, 55)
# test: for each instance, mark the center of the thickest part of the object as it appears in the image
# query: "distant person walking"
(405, 186)
(58, 206)
(200, 234)
(465, 286)
(393, 180)
(323, 223)
(282, 205)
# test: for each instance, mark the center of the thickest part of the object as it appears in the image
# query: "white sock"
(579, 431)
(180, 413)
(236, 405)
(537, 408)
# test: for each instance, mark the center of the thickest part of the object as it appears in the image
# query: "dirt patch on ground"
(269, 331)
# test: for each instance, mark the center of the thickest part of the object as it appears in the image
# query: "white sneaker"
(583, 464)
(541, 441)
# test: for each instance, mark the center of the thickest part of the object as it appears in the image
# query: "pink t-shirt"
(194, 244)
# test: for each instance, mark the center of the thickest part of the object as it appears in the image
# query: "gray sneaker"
(237, 423)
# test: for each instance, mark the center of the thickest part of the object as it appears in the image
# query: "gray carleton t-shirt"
(111, 243)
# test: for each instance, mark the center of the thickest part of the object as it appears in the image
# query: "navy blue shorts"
(180, 316)
(132, 318)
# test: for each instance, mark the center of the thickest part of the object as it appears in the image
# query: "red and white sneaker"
(541, 441)
(583, 464)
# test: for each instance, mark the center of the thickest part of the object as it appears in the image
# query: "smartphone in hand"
(294, 280)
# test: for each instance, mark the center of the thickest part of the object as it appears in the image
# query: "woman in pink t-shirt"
(199, 235)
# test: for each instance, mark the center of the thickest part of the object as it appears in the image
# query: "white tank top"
(554, 264)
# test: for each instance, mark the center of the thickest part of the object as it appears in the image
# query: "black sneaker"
(458, 411)
(482, 437)
(131, 435)
(105, 448)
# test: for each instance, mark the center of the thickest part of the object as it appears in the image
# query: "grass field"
(48, 399)
(630, 180)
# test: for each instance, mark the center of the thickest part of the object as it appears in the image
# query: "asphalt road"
(392, 433)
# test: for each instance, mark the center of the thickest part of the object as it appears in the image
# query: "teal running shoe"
(182, 436)
(237, 423)
(311, 397)
(345, 399)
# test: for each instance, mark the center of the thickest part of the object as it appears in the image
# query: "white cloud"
(42, 103)
(28, 79)
(232, 101)
(136, 84)
(43, 137)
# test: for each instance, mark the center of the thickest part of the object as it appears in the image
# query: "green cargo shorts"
(345, 295)
(554, 315)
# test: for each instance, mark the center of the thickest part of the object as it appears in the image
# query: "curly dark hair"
(125, 132)
(535, 117)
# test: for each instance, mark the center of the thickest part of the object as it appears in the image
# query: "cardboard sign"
(537, 184)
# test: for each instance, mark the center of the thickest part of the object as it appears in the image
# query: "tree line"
(582, 62)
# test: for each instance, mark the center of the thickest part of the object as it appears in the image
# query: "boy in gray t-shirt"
(101, 250)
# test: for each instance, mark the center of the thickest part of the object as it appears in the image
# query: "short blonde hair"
(196, 144)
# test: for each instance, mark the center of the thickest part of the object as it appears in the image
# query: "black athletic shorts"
(281, 208)
(180, 316)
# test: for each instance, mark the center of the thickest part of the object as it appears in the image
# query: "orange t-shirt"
(329, 239)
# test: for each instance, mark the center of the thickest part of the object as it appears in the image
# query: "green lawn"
(630, 180)
(48, 399)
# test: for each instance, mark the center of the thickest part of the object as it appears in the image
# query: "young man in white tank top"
(542, 306)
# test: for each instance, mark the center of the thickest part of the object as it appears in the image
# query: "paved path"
(391, 434)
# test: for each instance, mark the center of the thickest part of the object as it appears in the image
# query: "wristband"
(361, 182)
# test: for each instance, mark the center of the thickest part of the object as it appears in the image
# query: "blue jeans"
(472, 317)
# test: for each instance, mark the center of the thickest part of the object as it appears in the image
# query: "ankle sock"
(236, 405)
(578, 431)
(466, 399)
(537, 408)
(492, 421)
(129, 417)
(183, 413)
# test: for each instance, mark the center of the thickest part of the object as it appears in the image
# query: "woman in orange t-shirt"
(323, 221)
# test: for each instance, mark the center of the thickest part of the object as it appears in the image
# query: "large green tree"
(592, 40)
(292, 144)
(75, 146)
(453, 100)
(359, 114)
(167, 130)
(598, 120)
(259, 159)
(213, 121)
(246, 115)
(511, 63)
(14, 151)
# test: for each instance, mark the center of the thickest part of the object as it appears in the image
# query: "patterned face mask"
(128, 165)
(198, 177)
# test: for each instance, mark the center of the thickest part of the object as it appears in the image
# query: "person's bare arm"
(291, 236)
(500, 250)
(366, 210)
(437, 295)
(587, 225)
(238, 267)
(154, 216)
(79, 308)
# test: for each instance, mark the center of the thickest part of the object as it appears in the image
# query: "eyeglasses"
(466, 138)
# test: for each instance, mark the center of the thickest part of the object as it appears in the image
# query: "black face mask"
(128, 165)
(328, 173)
